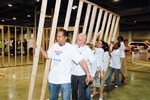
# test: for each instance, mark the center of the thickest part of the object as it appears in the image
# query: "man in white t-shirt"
(78, 74)
(122, 57)
(62, 55)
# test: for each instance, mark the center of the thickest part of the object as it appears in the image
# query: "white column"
(130, 36)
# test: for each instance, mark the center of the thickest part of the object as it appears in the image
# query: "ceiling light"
(116, 0)
(10, 5)
(14, 18)
(3, 20)
(28, 15)
(74, 7)
(37, 0)
(134, 21)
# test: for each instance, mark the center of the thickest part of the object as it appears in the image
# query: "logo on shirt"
(57, 57)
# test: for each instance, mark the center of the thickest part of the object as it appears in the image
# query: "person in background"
(122, 57)
(30, 45)
(62, 55)
(25, 46)
(1, 46)
(114, 66)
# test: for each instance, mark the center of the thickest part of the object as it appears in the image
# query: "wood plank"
(3, 51)
(52, 38)
(107, 27)
(93, 4)
(37, 50)
(27, 38)
(103, 25)
(22, 45)
(111, 29)
(15, 46)
(115, 29)
(68, 14)
(90, 31)
(86, 18)
(8, 45)
(76, 28)
(97, 26)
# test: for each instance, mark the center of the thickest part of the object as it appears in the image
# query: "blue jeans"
(88, 93)
(54, 91)
(116, 71)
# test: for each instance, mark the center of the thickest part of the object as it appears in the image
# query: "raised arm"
(44, 53)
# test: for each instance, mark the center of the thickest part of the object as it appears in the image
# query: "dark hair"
(64, 31)
(105, 47)
(103, 43)
(116, 45)
(90, 45)
(120, 38)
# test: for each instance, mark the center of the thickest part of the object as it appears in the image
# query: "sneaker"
(116, 86)
(100, 98)
(59, 94)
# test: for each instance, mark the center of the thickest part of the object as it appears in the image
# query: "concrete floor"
(15, 84)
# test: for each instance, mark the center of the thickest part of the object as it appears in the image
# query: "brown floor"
(15, 83)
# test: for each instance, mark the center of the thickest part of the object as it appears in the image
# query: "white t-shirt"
(122, 49)
(87, 54)
(30, 43)
(115, 59)
(62, 57)
(99, 53)
(106, 60)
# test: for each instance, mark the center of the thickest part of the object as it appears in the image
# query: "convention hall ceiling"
(135, 14)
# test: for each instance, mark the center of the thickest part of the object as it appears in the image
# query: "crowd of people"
(11, 44)
(78, 68)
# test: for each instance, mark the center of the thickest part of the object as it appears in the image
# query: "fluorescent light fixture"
(14, 18)
(74, 7)
(10, 5)
(3, 20)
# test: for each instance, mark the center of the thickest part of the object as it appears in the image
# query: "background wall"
(141, 36)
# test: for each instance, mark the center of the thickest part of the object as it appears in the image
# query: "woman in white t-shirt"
(106, 59)
(115, 65)
(99, 54)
